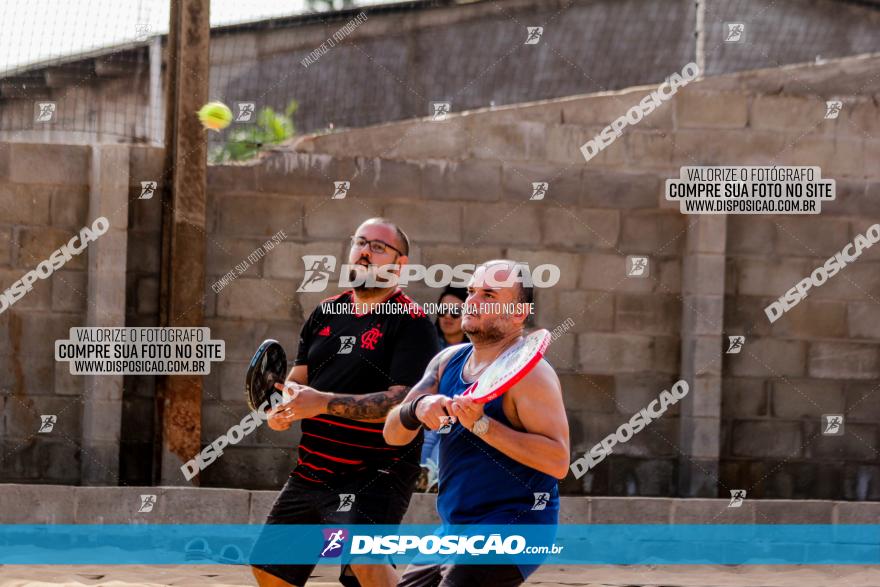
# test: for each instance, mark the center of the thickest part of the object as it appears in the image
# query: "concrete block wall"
(44, 201)
(461, 188)
(761, 408)
(53, 504)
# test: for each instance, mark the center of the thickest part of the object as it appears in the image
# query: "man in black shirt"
(356, 360)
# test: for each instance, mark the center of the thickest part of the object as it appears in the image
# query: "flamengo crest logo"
(370, 338)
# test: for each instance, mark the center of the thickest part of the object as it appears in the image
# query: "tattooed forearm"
(369, 406)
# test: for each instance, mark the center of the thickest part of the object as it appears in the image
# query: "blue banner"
(660, 544)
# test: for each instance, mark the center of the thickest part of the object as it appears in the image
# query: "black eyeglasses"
(376, 246)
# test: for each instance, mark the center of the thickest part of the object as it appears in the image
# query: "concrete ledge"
(59, 504)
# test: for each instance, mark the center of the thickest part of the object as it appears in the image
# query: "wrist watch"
(481, 426)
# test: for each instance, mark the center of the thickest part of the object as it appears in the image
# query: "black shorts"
(461, 576)
(381, 496)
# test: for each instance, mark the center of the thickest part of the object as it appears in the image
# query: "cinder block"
(260, 505)
(36, 244)
(505, 224)
(841, 360)
(712, 511)
(857, 512)
(603, 109)
(444, 141)
(768, 357)
(768, 277)
(66, 384)
(700, 315)
(70, 207)
(647, 313)
(590, 393)
(458, 254)
(857, 443)
(562, 354)
(581, 228)
(701, 355)
(47, 460)
(461, 180)
(716, 110)
(225, 253)
(144, 252)
(609, 354)
(386, 178)
(655, 232)
(650, 149)
(5, 150)
(789, 113)
(608, 273)
(252, 467)
(574, 509)
(258, 298)
(260, 216)
(812, 319)
(700, 437)
(615, 189)
(428, 221)
(302, 174)
(860, 405)
(564, 183)
(635, 391)
(69, 291)
(863, 320)
(631, 510)
(285, 260)
(148, 296)
(568, 264)
(147, 164)
(47, 163)
(751, 234)
(720, 147)
(508, 141)
(38, 298)
(793, 512)
(564, 143)
(230, 178)
(645, 477)
(767, 439)
(704, 274)
(811, 236)
(27, 204)
(589, 311)
(707, 234)
(50, 504)
(744, 397)
(30, 372)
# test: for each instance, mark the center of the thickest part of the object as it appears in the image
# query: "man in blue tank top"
(500, 462)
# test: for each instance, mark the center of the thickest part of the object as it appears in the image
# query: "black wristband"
(408, 417)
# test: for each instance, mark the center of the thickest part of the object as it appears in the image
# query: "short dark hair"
(404, 240)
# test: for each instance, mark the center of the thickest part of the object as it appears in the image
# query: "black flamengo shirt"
(359, 354)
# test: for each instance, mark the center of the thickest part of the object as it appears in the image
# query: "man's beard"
(488, 332)
(369, 277)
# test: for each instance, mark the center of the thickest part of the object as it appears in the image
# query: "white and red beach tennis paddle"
(509, 368)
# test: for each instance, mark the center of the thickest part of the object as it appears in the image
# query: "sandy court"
(587, 576)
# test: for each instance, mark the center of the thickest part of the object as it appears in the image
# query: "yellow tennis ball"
(215, 116)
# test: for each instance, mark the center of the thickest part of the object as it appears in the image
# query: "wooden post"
(179, 398)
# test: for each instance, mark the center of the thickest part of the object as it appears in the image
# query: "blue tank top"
(481, 485)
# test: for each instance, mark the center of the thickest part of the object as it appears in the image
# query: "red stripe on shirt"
(299, 461)
(306, 478)
(337, 459)
(346, 425)
(349, 443)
